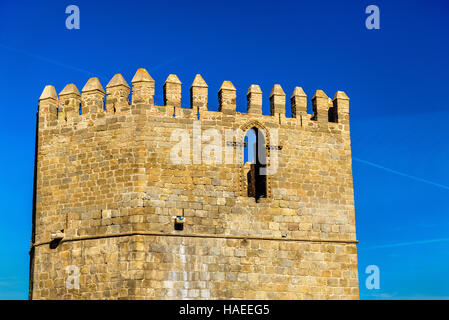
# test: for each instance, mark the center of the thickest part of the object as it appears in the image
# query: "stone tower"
(133, 200)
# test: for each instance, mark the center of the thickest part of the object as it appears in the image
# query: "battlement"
(94, 102)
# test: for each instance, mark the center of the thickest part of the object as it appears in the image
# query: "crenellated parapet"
(94, 102)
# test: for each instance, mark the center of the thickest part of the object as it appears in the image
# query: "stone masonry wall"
(106, 181)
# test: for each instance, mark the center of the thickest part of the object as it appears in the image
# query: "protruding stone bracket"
(58, 235)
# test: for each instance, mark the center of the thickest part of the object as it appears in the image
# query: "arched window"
(254, 160)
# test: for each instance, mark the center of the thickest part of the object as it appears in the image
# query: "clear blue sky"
(396, 77)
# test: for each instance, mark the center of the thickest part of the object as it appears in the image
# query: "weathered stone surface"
(172, 91)
(93, 84)
(105, 179)
(277, 100)
(92, 97)
(320, 103)
(117, 90)
(299, 103)
(69, 102)
(49, 92)
(254, 97)
(143, 87)
(199, 93)
(227, 98)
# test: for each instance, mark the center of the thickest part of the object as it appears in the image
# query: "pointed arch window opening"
(255, 155)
